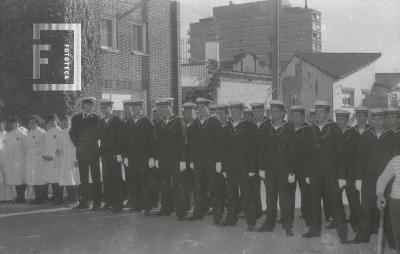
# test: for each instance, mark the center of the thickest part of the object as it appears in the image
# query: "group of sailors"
(213, 158)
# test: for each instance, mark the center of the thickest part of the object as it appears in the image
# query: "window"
(348, 97)
(393, 100)
(108, 33)
(294, 100)
(139, 37)
(298, 70)
(364, 100)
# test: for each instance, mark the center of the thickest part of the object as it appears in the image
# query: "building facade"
(343, 79)
(249, 27)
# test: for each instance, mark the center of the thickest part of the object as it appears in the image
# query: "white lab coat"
(14, 157)
(35, 166)
(69, 173)
(53, 143)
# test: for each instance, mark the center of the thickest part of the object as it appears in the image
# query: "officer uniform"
(171, 142)
(374, 153)
(241, 160)
(302, 146)
(138, 149)
(206, 153)
(326, 169)
(84, 134)
(277, 160)
(111, 146)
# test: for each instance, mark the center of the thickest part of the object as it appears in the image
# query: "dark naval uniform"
(241, 160)
(277, 158)
(303, 147)
(111, 145)
(171, 142)
(326, 168)
(206, 152)
(155, 180)
(373, 154)
(139, 141)
(84, 134)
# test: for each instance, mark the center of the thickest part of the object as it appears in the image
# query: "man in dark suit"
(139, 157)
(84, 134)
(111, 139)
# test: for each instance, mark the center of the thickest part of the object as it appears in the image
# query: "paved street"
(48, 229)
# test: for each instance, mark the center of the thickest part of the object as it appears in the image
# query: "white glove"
(224, 173)
(156, 163)
(308, 180)
(342, 183)
(182, 166)
(261, 173)
(191, 165)
(151, 163)
(218, 167)
(358, 185)
(126, 162)
(119, 158)
(251, 174)
(291, 178)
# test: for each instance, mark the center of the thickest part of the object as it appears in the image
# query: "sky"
(347, 25)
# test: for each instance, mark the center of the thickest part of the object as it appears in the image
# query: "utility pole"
(276, 86)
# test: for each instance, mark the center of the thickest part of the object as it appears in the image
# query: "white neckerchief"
(107, 119)
(137, 119)
(234, 124)
(379, 134)
(276, 127)
(202, 120)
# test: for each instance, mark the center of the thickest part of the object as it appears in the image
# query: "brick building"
(248, 27)
(139, 50)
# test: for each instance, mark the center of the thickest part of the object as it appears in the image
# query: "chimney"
(231, 3)
(305, 5)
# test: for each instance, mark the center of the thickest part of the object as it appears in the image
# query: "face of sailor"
(258, 114)
(378, 122)
(391, 120)
(342, 121)
(297, 117)
(106, 110)
(203, 110)
(136, 110)
(277, 114)
(321, 114)
(361, 118)
(127, 111)
(188, 114)
(236, 114)
(87, 107)
(222, 115)
(65, 123)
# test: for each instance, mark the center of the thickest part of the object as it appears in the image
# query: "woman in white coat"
(6, 190)
(14, 159)
(35, 168)
(69, 171)
(52, 156)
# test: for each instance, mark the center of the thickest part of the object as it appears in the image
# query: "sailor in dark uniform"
(84, 135)
(277, 160)
(111, 147)
(241, 160)
(139, 157)
(303, 146)
(171, 156)
(347, 182)
(392, 122)
(155, 171)
(377, 147)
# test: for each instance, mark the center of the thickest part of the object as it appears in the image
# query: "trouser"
(155, 179)
(394, 209)
(329, 184)
(57, 192)
(20, 189)
(277, 185)
(328, 212)
(72, 194)
(207, 189)
(353, 196)
(40, 192)
(240, 180)
(172, 188)
(139, 187)
(188, 183)
(306, 199)
(370, 213)
(257, 195)
(112, 182)
(84, 165)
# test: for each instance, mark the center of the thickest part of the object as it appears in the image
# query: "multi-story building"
(139, 50)
(249, 27)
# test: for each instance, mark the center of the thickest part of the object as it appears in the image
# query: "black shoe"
(289, 232)
(265, 228)
(135, 210)
(81, 206)
(162, 213)
(96, 207)
(216, 222)
(117, 210)
(331, 225)
(251, 229)
(311, 234)
(146, 212)
(227, 224)
(34, 202)
(360, 239)
(195, 217)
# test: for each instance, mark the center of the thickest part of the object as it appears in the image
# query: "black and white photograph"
(200, 126)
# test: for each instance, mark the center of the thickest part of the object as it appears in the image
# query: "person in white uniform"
(35, 167)
(6, 190)
(69, 171)
(14, 159)
(52, 155)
